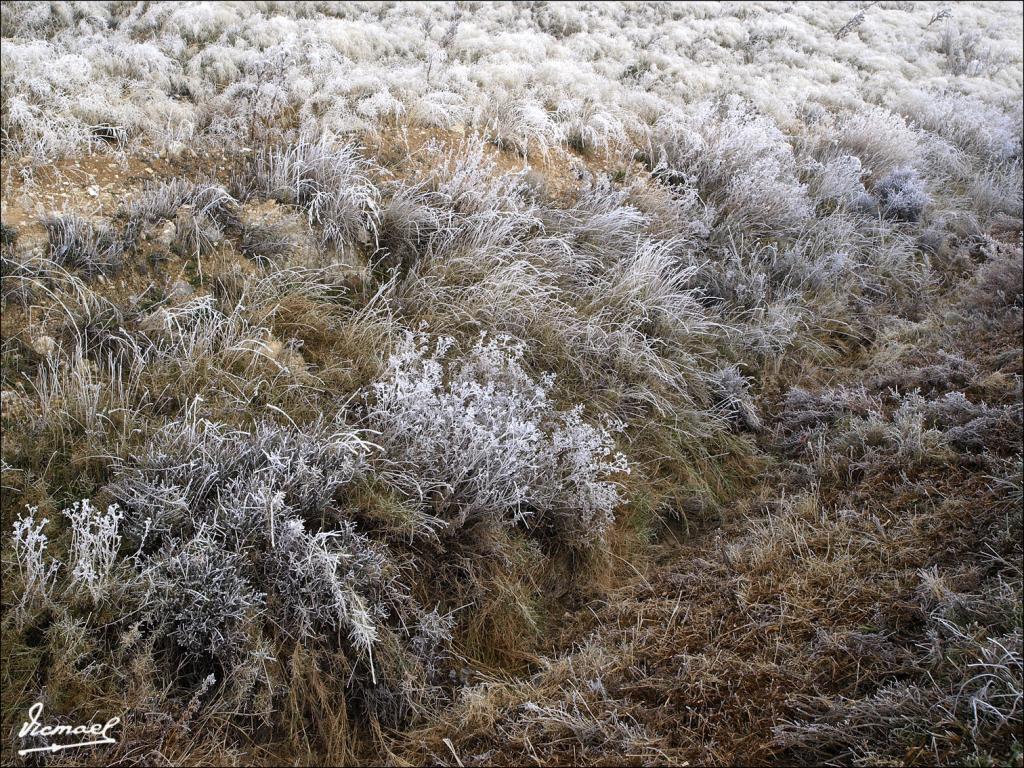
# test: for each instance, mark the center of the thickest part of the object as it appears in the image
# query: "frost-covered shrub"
(42, 92)
(754, 277)
(891, 265)
(439, 109)
(968, 122)
(195, 234)
(95, 541)
(986, 701)
(189, 337)
(734, 399)
(266, 243)
(839, 180)
(243, 526)
(321, 582)
(38, 19)
(518, 124)
(255, 89)
(468, 181)
(163, 200)
(432, 641)
(198, 23)
(968, 53)
(998, 284)
(329, 181)
(999, 192)
(481, 438)
(853, 429)
(36, 575)
(199, 588)
(902, 195)
(560, 20)
(408, 221)
(587, 127)
(80, 245)
(949, 372)
(734, 278)
(876, 441)
(968, 426)
(739, 159)
(881, 140)
(1010, 482)
(188, 464)
(673, 212)
(804, 415)
(599, 222)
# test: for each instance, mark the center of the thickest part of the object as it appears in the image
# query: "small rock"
(93, 190)
(165, 234)
(180, 290)
(44, 345)
(155, 322)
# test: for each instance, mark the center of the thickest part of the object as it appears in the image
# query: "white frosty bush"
(321, 579)
(969, 123)
(902, 195)
(838, 179)
(881, 140)
(328, 181)
(162, 201)
(519, 124)
(734, 399)
(241, 525)
(481, 437)
(200, 590)
(95, 541)
(77, 244)
(36, 574)
(188, 464)
(739, 159)
(433, 639)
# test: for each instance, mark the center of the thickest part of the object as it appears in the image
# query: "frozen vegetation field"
(512, 383)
